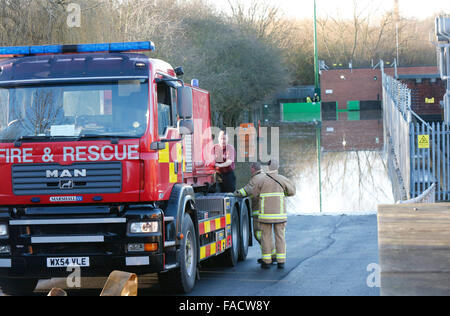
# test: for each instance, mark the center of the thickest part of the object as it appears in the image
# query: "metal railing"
(420, 151)
(397, 119)
(430, 161)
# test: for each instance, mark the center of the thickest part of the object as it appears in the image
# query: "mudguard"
(181, 195)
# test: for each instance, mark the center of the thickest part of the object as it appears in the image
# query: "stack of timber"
(414, 248)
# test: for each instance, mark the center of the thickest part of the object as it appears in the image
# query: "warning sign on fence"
(424, 141)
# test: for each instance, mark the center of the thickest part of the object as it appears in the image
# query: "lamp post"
(318, 126)
(316, 53)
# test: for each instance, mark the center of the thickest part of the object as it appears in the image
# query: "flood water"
(354, 178)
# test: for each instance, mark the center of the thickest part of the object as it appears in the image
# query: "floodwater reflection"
(354, 174)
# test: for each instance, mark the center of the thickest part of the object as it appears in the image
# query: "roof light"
(81, 48)
(91, 48)
(195, 83)
(122, 47)
(47, 49)
(14, 50)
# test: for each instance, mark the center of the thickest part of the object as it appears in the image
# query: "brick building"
(344, 135)
(427, 91)
(364, 85)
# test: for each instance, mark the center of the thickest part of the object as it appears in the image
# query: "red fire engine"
(105, 160)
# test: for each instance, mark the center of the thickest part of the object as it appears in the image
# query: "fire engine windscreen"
(118, 108)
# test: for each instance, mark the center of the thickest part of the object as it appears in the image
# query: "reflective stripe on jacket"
(272, 190)
(265, 214)
(248, 191)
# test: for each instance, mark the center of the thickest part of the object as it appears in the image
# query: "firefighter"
(257, 176)
(272, 190)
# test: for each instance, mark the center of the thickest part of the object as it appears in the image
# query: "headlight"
(144, 227)
(3, 230)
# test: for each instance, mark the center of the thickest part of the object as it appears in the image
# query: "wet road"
(327, 255)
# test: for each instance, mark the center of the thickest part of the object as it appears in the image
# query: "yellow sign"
(431, 100)
(424, 141)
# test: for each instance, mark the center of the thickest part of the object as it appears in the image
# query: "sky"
(344, 8)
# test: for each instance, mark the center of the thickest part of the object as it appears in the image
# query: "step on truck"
(105, 164)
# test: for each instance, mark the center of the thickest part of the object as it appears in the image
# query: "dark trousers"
(228, 184)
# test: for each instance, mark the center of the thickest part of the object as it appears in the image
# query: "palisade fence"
(397, 120)
(418, 152)
(431, 163)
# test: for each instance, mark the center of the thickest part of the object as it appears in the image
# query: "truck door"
(170, 158)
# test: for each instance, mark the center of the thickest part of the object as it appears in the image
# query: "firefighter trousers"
(267, 236)
(257, 230)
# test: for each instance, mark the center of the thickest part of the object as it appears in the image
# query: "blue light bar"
(15, 50)
(123, 47)
(92, 48)
(81, 48)
(47, 49)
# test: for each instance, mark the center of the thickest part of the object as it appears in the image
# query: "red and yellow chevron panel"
(167, 162)
(213, 225)
(212, 249)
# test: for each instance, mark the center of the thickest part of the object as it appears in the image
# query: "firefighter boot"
(274, 261)
(265, 266)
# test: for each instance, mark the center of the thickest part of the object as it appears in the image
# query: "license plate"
(67, 262)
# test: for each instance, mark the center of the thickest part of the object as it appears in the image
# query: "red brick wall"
(358, 135)
(429, 90)
(351, 85)
(359, 84)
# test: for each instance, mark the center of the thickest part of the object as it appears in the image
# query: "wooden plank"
(415, 284)
(428, 259)
(414, 249)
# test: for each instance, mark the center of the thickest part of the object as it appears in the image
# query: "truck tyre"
(182, 280)
(231, 256)
(18, 287)
(244, 233)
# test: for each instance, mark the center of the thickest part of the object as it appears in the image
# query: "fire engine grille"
(61, 249)
(78, 178)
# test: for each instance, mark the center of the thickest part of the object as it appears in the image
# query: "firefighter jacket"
(272, 189)
(248, 191)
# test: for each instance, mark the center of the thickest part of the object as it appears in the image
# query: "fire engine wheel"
(245, 233)
(18, 287)
(182, 280)
(231, 256)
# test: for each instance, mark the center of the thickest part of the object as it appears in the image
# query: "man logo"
(77, 173)
(66, 184)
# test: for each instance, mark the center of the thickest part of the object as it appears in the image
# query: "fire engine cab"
(106, 164)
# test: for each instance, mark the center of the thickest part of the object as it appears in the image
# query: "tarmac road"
(327, 255)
